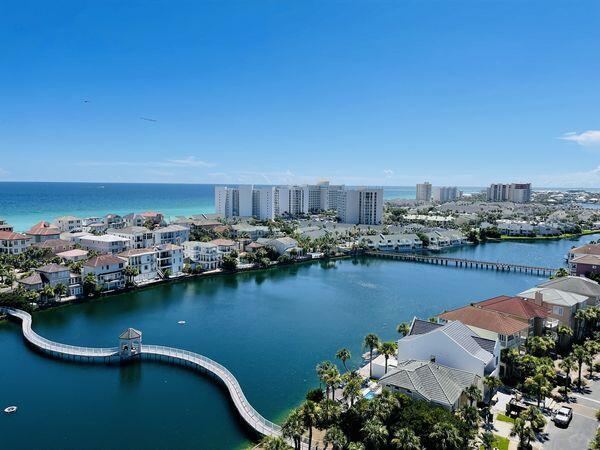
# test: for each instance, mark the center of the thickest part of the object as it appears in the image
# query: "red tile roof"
(43, 229)
(513, 306)
(486, 319)
(12, 236)
(226, 242)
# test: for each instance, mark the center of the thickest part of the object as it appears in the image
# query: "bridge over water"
(156, 352)
(466, 263)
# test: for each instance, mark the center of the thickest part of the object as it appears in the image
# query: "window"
(557, 310)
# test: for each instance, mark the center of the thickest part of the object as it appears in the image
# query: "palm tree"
(322, 370)
(566, 365)
(446, 436)
(581, 317)
(388, 349)
(564, 334)
(356, 446)
(344, 355)
(60, 290)
(538, 385)
(352, 389)
(309, 412)
(473, 393)
(493, 384)
(406, 439)
(579, 354)
(535, 417)
(274, 443)
(333, 378)
(293, 428)
(47, 292)
(524, 432)
(371, 342)
(488, 441)
(336, 437)
(375, 433)
(403, 328)
(539, 346)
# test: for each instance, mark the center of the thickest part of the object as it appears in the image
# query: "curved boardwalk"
(169, 354)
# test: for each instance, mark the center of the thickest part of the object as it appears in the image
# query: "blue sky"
(377, 92)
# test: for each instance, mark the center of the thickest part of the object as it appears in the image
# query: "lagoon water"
(269, 328)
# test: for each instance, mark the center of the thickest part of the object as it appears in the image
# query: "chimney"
(538, 298)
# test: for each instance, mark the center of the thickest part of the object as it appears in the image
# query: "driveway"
(575, 437)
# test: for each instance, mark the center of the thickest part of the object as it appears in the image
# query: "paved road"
(575, 437)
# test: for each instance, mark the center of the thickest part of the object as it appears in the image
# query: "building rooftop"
(587, 259)
(12, 236)
(513, 306)
(35, 278)
(435, 382)
(72, 253)
(555, 296)
(588, 249)
(103, 260)
(486, 319)
(223, 242)
(129, 230)
(136, 252)
(43, 229)
(577, 285)
(104, 238)
(52, 268)
(130, 333)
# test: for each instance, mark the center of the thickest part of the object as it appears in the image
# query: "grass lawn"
(500, 442)
(503, 418)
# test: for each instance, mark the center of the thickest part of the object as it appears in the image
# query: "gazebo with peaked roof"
(130, 343)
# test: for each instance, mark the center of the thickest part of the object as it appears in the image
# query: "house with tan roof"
(42, 231)
(55, 245)
(69, 224)
(107, 269)
(74, 255)
(145, 260)
(13, 243)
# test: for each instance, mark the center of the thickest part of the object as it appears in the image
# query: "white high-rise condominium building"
(515, 192)
(442, 194)
(353, 205)
(424, 192)
(234, 201)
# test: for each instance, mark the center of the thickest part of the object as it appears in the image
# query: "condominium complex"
(362, 205)
(444, 194)
(424, 192)
(514, 192)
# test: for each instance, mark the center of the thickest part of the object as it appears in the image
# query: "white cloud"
(190, 161)
(586, 138)
(388, 173)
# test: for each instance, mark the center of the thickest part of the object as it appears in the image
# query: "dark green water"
(269, 328)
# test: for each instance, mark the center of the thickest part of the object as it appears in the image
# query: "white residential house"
(169, 257)
(453, 344)
(13, 243)
(252, 231)
(172, 234)
(393, 242)
(108, 271)
(69, 224)
(145, 260)
(225, 246)
(139, 237)
(106, 243)
(203, 254)
(73, 255)
(53, 274)
(284, 245)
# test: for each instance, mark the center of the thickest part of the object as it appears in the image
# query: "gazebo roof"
(130, 333)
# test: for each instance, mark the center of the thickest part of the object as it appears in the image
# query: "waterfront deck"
(157, 352)
(466, 263)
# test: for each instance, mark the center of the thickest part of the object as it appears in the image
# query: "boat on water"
(10, 409)
(181, 322)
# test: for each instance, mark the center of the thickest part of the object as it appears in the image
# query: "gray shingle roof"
(436, 383)
(130, 333)
(422, 326)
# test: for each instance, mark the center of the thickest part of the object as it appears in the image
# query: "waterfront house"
(169, 258)
(139, 237)
(576, 285)
(282, 245)
(55, 245)
(13, 243)
(439, 239)
(431, 382)
(54, 274)
(106, 243)
(172, 234)
(521, 309)
(225, 246)
(108, 271)
(74, 255)
(32, 282)
(145, 260)
(69, 224)
(4, 226)
(95, 227)
(42, 231)
(205, 255)
(114, 221)
(490, 324)
(585, 265)
(562, 305)
(392, 242)
(453, 345)
(588, 249)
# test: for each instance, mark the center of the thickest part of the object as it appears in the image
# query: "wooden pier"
(156, 352)
(465, 263)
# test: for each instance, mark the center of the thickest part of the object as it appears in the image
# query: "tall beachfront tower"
(424, 192)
